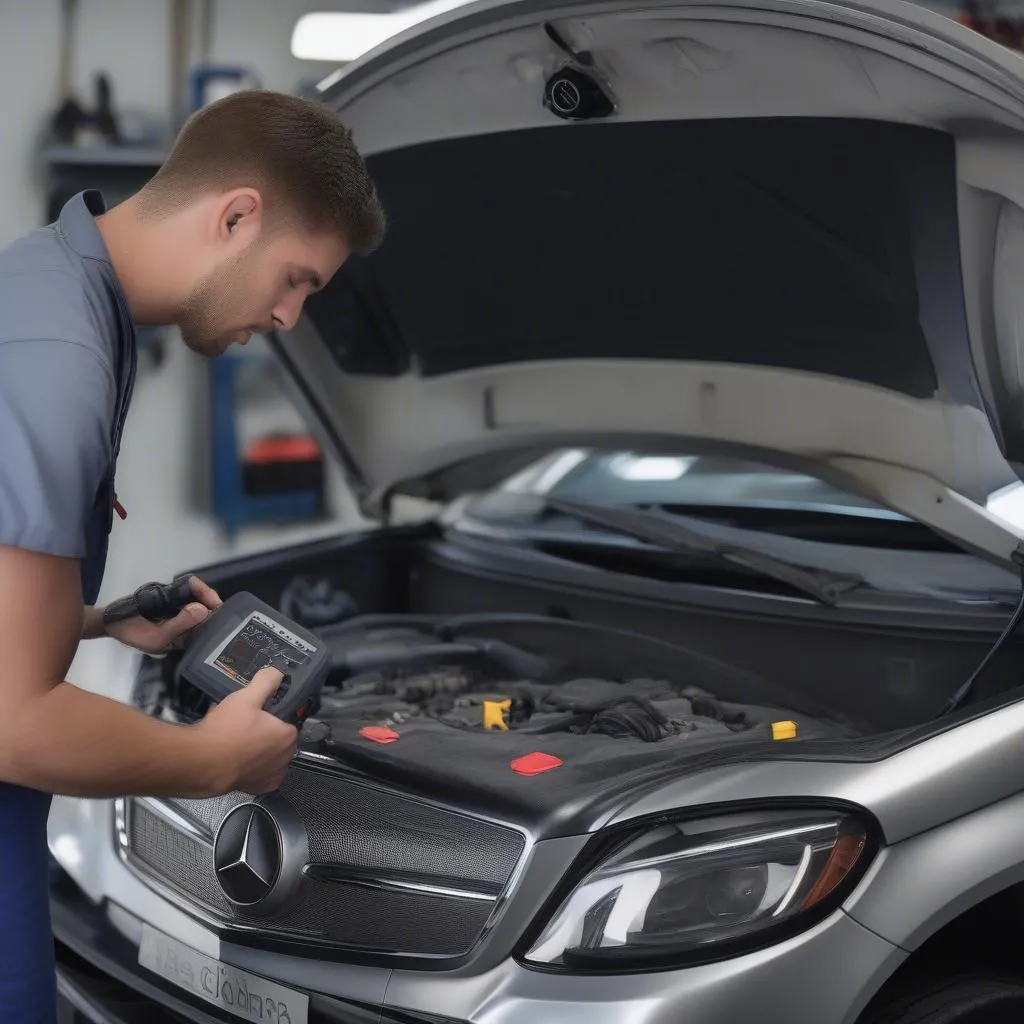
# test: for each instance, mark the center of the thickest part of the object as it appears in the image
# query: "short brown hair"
(294, 150)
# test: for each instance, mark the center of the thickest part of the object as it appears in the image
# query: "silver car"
(675, 679)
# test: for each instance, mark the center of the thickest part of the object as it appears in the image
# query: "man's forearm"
(77, 743)
(92, 623)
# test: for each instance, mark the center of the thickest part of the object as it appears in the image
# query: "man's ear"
(239, 214)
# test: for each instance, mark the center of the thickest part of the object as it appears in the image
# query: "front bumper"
(99, 978)
(824, 976)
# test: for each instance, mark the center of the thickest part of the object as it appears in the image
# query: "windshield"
(682, 516)
(691, 481)
(732, 492)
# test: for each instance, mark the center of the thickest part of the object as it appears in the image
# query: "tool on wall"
(180, 33)
(72, 123)
(70, 115)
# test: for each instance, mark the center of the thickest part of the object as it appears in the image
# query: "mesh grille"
(378, 831)
(356, 827)
(174, 857)
(390, 921)
(210, 812)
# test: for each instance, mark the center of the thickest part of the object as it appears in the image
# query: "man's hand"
(257, 747)
(153, 638)
(61, 739)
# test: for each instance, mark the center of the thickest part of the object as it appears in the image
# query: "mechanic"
(261, 199)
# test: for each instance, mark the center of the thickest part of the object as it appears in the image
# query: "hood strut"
(964, 691)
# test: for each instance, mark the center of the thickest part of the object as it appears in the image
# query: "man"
(260, 201)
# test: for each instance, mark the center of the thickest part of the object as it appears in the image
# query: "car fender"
(916, 887)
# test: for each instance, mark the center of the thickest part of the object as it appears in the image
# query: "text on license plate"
(249, 996)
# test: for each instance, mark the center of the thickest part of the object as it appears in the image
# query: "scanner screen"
(257, 643)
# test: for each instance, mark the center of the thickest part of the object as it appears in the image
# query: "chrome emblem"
(258, 854)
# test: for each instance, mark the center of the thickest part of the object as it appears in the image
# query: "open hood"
(784, 228)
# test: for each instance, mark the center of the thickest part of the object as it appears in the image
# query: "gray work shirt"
(67, 366)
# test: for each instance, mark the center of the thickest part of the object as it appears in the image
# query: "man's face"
(260, 289)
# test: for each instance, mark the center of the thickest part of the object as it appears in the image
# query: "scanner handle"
(156, 602)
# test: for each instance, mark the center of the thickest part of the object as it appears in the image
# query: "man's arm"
(56, 401)
(62, 739)
(92, 623)
(57, 737)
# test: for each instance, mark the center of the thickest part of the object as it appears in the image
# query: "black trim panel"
(842, 276)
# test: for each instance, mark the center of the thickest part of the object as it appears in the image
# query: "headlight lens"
(704, 889)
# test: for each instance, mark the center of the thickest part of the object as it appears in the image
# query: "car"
(683, 400)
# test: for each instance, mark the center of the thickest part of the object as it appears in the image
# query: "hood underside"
(796, 232)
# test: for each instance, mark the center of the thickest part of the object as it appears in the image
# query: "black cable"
(628, 715)
(630, 718)
(965, 690)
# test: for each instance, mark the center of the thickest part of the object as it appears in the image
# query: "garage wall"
(128, 39)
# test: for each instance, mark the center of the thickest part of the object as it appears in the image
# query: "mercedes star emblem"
(247, 856)
(259, 852)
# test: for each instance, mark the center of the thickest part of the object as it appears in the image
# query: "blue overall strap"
(28, 992)
(102, 517)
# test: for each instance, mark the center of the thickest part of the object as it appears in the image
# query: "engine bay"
(482, 701)
(480, 674)
(488, 678)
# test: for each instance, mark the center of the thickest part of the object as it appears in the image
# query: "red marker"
(535, 763)
(378, 733)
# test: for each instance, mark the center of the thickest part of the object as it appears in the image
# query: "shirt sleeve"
(56, 409)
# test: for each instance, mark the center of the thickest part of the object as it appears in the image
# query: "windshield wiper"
(665, 531)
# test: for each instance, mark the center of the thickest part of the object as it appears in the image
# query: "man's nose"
(286, 314)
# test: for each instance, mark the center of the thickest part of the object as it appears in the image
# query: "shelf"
(117, 171)
(231, 505)
(106, 156)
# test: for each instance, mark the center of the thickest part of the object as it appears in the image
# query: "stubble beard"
(209, 319)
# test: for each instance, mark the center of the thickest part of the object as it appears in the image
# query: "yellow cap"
(783, 730)
(494, 714)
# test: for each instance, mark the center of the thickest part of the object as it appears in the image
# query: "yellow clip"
(783, 730)
(494, 714)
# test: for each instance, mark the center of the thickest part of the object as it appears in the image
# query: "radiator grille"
(371, 853)
(175, 857)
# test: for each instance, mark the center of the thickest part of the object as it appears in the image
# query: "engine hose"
(514, 660)
(378, 658)
(450, 627)
(375, 621)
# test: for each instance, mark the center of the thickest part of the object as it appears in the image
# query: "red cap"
(378, 733)
(535, 763)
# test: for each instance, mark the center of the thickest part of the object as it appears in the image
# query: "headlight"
(685, 890)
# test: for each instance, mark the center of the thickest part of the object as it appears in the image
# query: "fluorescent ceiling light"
(343, 36)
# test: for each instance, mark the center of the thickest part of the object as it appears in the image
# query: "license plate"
(249, 996)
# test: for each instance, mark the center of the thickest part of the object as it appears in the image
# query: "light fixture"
(343, 36)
